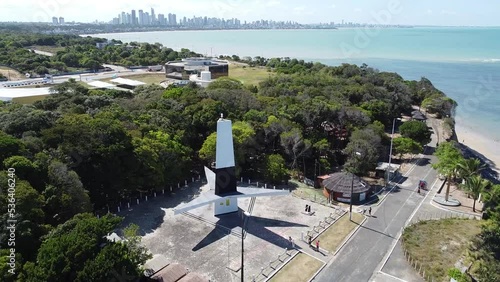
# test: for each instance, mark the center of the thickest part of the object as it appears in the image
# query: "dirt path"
(11, 74)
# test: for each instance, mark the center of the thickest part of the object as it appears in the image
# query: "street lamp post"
(352, 190)
(244, 216)
(388, 171)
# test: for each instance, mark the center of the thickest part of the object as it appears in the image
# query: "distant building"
(153, 17)
(55, 20)
(141, 17)
(161, 19)
(101, 45)
(172, 19)
(61, 20)
(123, 18)
(183, 70)
(133, 18)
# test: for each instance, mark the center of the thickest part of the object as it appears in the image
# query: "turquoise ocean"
(462, 62)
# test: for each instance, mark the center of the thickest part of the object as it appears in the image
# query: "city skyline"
(392, 12)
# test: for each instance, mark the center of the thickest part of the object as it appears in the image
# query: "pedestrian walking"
(364, 211)
(293, 243)
(370, 211)
(317, 245)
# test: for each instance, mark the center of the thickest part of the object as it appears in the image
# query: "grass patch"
(301, 268)
(29, 100)
(249, 75)
(331, 239)
(307, 192)
(439, 244)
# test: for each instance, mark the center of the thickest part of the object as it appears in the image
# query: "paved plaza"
(210, 245)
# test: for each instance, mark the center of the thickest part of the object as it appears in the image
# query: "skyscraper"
(133, 18)
(153, 16)
(141, 17)
(55, 20)
(170, 19)
(161, 19)
(61, 20)
(123, 19)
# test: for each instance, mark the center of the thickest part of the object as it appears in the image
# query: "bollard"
(265, 185)
(146, 198)
(199, 176)
(155, 194)
(137, 201)
(241, 180)
(186, 183)
(163, 191)
(257, 184)
(249, 181)
(178, 185)
(170, 188)
(274, 187)
(128, 205)
(118, 209)
(192, 179)
(97, 216)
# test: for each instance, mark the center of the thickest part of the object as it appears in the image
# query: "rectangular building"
(141, 17)
(186, 67)
(133, 18)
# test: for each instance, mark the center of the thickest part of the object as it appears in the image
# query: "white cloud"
(333, 6)
(358, 10)
(299, 9)
(429, 12)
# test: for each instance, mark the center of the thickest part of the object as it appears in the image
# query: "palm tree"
(469, 167)
(449, 156)
(474, 185)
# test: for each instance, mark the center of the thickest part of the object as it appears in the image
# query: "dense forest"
(80, 151)
(79, 53)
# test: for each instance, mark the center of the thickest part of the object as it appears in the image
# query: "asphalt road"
(363, 255)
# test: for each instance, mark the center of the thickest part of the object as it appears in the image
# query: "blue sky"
(422, 12)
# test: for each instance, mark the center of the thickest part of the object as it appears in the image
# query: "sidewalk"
(323, 255)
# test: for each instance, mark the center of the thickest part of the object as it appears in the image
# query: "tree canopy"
(417, 131)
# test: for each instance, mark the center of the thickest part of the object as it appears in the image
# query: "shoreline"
(481, 146)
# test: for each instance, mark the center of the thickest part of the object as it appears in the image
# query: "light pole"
(390, 152)
(352, 189)
(244, 216)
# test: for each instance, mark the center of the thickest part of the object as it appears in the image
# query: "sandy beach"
(487, 148)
